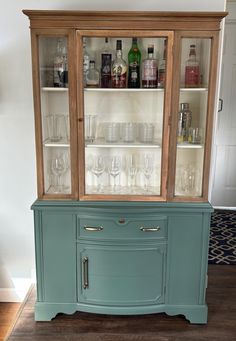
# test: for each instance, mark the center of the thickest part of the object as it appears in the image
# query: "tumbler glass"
(90, 128)
(146, 132)
(112, 132)
(128, 132)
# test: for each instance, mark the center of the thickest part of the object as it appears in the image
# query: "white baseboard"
(224, 208)
(16, 294)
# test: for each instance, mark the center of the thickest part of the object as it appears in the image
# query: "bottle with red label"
(192, 70)
(119, 68)
(149, 69)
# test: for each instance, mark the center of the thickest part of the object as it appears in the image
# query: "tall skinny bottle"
(106, 62)
(119, 68)
(134, 59)
(149, 69)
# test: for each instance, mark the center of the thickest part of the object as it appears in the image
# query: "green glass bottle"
(134, 60)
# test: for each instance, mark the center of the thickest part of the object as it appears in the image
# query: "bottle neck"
(118, 54)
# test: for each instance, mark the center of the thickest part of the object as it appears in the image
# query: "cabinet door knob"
(93, 228)
(150, 229)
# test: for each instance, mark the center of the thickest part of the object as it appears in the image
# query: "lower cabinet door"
(121, 274)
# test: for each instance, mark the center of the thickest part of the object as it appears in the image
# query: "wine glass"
(98, 167)
(132, 169)
(60, 165)
(114, 169)
(147, 169)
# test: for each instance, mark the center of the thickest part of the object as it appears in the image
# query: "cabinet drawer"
(122, 228)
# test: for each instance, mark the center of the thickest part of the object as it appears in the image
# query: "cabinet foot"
(47, 311)
(195, 314)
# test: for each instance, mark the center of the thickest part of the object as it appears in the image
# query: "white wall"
(17, 150)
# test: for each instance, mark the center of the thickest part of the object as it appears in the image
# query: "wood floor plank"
(221, 298)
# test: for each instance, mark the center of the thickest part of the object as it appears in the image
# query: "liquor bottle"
(192, 72)
(119, 68)
(162, 69)
(134, 59)
(92, 76)
(86, 59)
(65, 72)
(106, 63)
(184, 122)
(149, 69)
(58, 66)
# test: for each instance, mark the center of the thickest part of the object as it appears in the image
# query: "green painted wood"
(186, 274)
(122, 227)
(57, 274)
(129, 271)
(122, 275)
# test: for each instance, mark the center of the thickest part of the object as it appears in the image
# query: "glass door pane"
(192, 116)
(123, 114)
(55, 114)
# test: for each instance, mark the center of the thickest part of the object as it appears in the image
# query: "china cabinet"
(122, 217)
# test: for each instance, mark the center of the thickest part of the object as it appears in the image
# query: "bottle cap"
(150, 48)
(106, 40)
(184, 106)
(119, 45)
(134, 40)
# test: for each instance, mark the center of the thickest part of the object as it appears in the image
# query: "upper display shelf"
(52, 89)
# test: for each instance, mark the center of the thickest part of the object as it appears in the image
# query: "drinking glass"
(146, 132)
(90, 128)
(195, 135)
(56, 127)
(60, 165)
(114, 169)
(98, 167)
(147, 169)
(132, 169)
(112, 132)
(128, 132)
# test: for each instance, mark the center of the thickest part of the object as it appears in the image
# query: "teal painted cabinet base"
(121, 258)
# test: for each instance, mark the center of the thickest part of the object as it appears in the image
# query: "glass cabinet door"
(193, 110)
(124, 113)
(54, 105)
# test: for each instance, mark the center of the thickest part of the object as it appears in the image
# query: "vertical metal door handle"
(85, 272)
(220, 106)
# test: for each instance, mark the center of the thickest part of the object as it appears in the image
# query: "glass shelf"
(123, 90)
(103, 144)
(52, 89)
(194, 89)
(60, 144)
(190, 146)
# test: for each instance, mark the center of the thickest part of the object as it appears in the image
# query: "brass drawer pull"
(93, 228)
(150, 229)
(85, 273)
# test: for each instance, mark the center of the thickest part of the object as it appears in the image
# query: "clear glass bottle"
(134, 60)
(106, 64)
(162, 68)
(184, 123)
(92, 76)
(58, 66)
(119, 68)
(149, 69)
(192, 71)
(86, 59)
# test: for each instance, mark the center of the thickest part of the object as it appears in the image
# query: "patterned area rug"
(222, 249)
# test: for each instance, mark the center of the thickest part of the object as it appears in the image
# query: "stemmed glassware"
(114, 169)
(147, 169)
(60, 165)
(97, 168)
(132, 169)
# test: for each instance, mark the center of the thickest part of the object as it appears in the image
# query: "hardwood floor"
(221, 326)
(8, 313)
